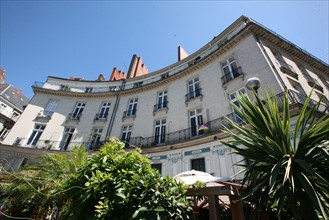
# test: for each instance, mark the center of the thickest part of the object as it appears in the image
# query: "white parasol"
(192, 176)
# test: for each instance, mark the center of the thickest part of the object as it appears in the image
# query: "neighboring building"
(12, 104)
(174, 114)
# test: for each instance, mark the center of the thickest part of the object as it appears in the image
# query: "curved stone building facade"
(175, 114)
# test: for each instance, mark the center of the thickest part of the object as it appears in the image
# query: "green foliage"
(115, 184)
(287, 173)
(36, 187)
(111, 184)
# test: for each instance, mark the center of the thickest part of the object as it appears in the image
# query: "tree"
(284, 172)
(115, 184)
(35, 188)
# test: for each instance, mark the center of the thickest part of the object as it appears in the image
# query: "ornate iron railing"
(210, 128)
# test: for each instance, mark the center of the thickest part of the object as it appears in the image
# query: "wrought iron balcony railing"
(129, 113)
(100, 116)
(194, 94)
(160, 106)
(235, 73)
(213, 127)
(74, 116)
(62, 145)
(216, 125)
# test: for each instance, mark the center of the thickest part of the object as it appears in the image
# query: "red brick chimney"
(2, 75)
(117, 75)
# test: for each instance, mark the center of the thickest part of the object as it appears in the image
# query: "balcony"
(74, 116)
(13, 115)
(48, 144)
(313, 83)
(101, 117)
(235, 73)
(45, 114)
(287, 69)
(129, 113)
(216, 125)
(193, 95)
(161, 106)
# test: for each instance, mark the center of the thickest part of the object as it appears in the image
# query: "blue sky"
(88, 38)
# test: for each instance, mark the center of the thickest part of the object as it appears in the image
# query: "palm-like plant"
(287, 164)
(36, 187)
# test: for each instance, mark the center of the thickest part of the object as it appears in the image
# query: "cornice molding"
(251, 28)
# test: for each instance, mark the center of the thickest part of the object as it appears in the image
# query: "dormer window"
(88, 89)
(137, 84)
(64, 88)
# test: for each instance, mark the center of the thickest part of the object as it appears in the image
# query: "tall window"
(95, 138)
(50, 108)
(103, 113)
(160, 131)
(77, 112)
(301, 94)
(66, 139)
(194, 88)
(230, 69)
(157, 166)
(132, 107)
(3, 133)
(162, 100)
(126, 133)
(196, 120)
(36, 133)
(198, 164)
(234, 100)
(323, 97)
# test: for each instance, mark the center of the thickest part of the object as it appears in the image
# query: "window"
(2, 106)
(324, 98)
(126, 133)
(50, 108)
(157, 166)
(194, 89)
(198, 164)
(162, 100)
(137, 84)
(234, 100)
(196, 120)
(15, 115)
(160, 131)
(3, 133)
(66, 139)
(89, 90)
(132, 107)
(104, 111)
(301, 94)
(95, 137)
(36, 133)
(64, 88)
(78, 111)
(230, 70)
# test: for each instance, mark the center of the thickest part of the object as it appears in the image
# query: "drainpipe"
(115, 109)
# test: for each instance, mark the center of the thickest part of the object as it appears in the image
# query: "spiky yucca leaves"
(289, 173)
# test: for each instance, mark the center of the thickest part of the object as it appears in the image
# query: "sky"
(87, 38)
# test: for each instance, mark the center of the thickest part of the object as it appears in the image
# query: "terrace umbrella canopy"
(192, 176)
(217, 191)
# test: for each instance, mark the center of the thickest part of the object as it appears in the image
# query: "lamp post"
(253, 84)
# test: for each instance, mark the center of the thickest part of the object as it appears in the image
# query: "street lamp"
(253, 84)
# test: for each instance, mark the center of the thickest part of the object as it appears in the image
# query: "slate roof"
(13, 96)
